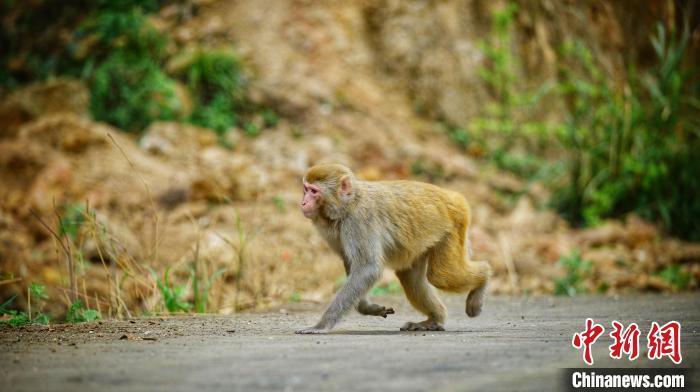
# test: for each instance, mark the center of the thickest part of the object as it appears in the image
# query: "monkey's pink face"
(311, 202)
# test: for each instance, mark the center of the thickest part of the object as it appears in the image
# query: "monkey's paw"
(385, 312)
(426, 325)
(312, 330)
(376, 310)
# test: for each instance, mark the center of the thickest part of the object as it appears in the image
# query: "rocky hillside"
(367, 84)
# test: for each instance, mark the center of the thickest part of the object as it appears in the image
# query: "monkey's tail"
(469, 244)
(480, 272)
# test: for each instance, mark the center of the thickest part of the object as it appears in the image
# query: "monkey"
(417, 229)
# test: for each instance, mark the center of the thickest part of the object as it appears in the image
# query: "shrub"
(629, 147)
(121, 56)
(676, 276)
(577, 270)
(123, 66)
(78, 313)
(173, 295)
(216, 81)
(131, 91)
(36, 295)
(32, 39)
(637, 149)
(508, 121)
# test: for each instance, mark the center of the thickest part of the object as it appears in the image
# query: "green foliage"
(218, 86)
(41, 318)
(629, 147)
(20, 318)
(577, 270)
(125, 6)
(38, 294)
(201, 286)
(128, 87)
(295, 297)
(131, 91)
(251, 129)
(78, 313)
(637, 149)
(72, 219)
(279, 203)
(676, 276)
(507, 122)
(603, 287)
(460, 136)
(216, 81)
(173, 295)
(500, 74)
(4, 305)
(38, 291)
(270, 118)
(29, 53)
(385, 289)
(118, 27)
(112, 46)
(523, 164)
(17, 318)
(121, 56)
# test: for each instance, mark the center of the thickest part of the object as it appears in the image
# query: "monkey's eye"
(314, 191)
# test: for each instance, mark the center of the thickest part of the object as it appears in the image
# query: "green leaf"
(38, 291)
(77, 313)
(3, 307)
(19, 320)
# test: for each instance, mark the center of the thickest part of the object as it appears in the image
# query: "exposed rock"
(222, 176)
(174, 140)
(42, 98)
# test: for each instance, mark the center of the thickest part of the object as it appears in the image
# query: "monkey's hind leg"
(370, 309)
(450, 269)
(475, 300)
(423, 297)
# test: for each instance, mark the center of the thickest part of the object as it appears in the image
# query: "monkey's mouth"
(308, 212)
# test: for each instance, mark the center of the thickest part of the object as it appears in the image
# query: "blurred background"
(151, 152)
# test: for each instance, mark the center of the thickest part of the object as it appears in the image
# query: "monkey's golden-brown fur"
(418, 229)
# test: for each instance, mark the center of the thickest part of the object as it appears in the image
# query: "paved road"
(516, 344)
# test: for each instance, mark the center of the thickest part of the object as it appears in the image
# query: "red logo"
(626, 341)
(662, 341)
(586, 339)
(665, 341)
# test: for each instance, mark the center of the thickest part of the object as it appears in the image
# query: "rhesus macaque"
(417, 229)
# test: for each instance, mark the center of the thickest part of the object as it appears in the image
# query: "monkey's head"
(327, 190)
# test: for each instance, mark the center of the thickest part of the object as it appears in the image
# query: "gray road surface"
(516, 344)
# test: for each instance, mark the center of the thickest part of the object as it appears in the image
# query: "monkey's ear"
(345, 185)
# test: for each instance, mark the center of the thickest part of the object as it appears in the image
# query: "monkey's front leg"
(359, 282)
(364, 306)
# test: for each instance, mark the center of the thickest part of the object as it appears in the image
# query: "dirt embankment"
(353, 84)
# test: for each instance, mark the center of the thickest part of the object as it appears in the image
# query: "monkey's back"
(421, 215)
